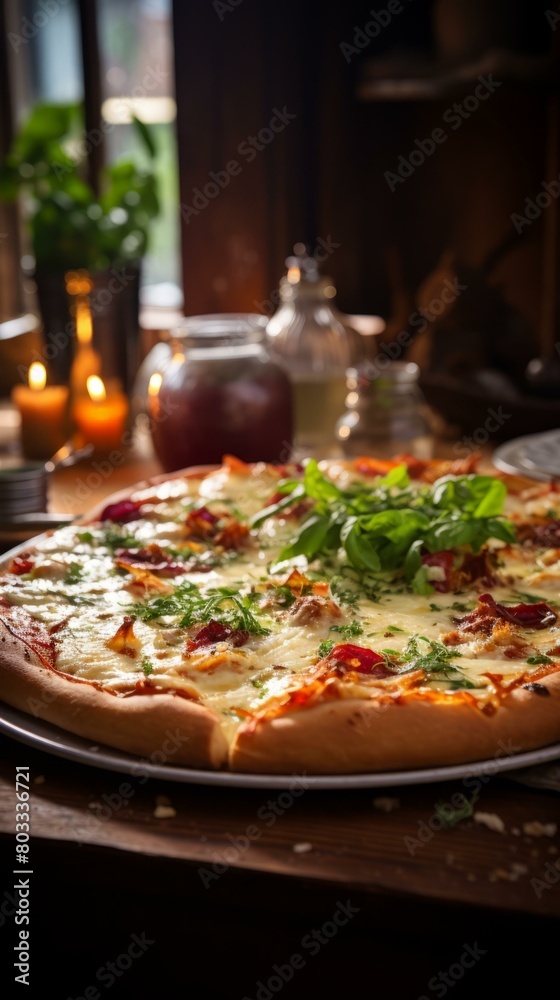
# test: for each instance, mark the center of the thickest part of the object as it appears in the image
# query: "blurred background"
(382, 182)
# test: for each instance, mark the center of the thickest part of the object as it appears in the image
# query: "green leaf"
(145, 134)
(309, 540)
(317, 486)
(325, 647)
(397, 477)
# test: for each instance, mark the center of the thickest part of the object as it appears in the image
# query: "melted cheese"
(75, 582)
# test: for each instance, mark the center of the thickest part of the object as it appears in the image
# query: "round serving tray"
(43, 736)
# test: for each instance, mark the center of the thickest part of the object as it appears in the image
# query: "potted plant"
(73, 227)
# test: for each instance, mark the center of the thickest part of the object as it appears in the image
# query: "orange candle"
(44, 414)
(101, 418)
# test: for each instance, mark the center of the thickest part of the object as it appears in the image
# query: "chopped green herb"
(450, 815)
(348, 631)
(325, 647)
(84, 536)
(393, 628)
(221, 604)
(539, 658)
(147, 666)
(256, 683)
(117, 538)
(74, 574)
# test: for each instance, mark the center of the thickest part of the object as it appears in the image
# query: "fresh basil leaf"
(397, 477)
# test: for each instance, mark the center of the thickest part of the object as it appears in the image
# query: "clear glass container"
(219, 392)
(386, 414)
(308, 338)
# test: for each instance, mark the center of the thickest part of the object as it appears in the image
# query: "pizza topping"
(21, 564)
(34, 634)
(122, 512)
(145, 581)
(124, 641)
(537, 615)
(388, 526)
(224, 530)
(233, 534)
(544, 534)
(360, 659)
(201, 523)
(215, 632)
(152, 557)
(312, 609)
(440, 570)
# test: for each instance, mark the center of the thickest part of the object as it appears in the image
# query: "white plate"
(533, 455)
(42, 736)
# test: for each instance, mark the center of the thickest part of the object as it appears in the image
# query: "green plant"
(71, 227)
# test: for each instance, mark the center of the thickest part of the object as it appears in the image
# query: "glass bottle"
(307, 337)
(386, 413)
(219, 393)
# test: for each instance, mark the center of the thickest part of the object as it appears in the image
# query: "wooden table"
(226, 909)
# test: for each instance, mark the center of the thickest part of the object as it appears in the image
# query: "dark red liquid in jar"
(206, 409)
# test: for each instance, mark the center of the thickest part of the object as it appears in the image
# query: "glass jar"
(218, 392)
(315, 348)
(386, 413)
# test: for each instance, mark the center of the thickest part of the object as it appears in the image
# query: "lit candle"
(101, 417)
(44, 414)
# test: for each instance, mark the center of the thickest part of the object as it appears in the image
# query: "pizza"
(331, 617)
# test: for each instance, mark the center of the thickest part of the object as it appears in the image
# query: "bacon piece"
(202, 523)
(478, 567)
(233, 535)
(21, 564)
(312, 609)
(152, 557)
(360, 659)
(444, 562)
(124, 641)
(144, 581)
(537, 616)
(122, 512)
(215, 632)
(34, 634)
(545, 534)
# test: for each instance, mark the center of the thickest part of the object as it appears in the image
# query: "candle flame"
(154, 385)
(37, 376)
(83, 322)
(96, 388)
(293, 275)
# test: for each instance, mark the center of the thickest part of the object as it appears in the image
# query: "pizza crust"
(160, 727)
(336, 737)
(339, 737)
